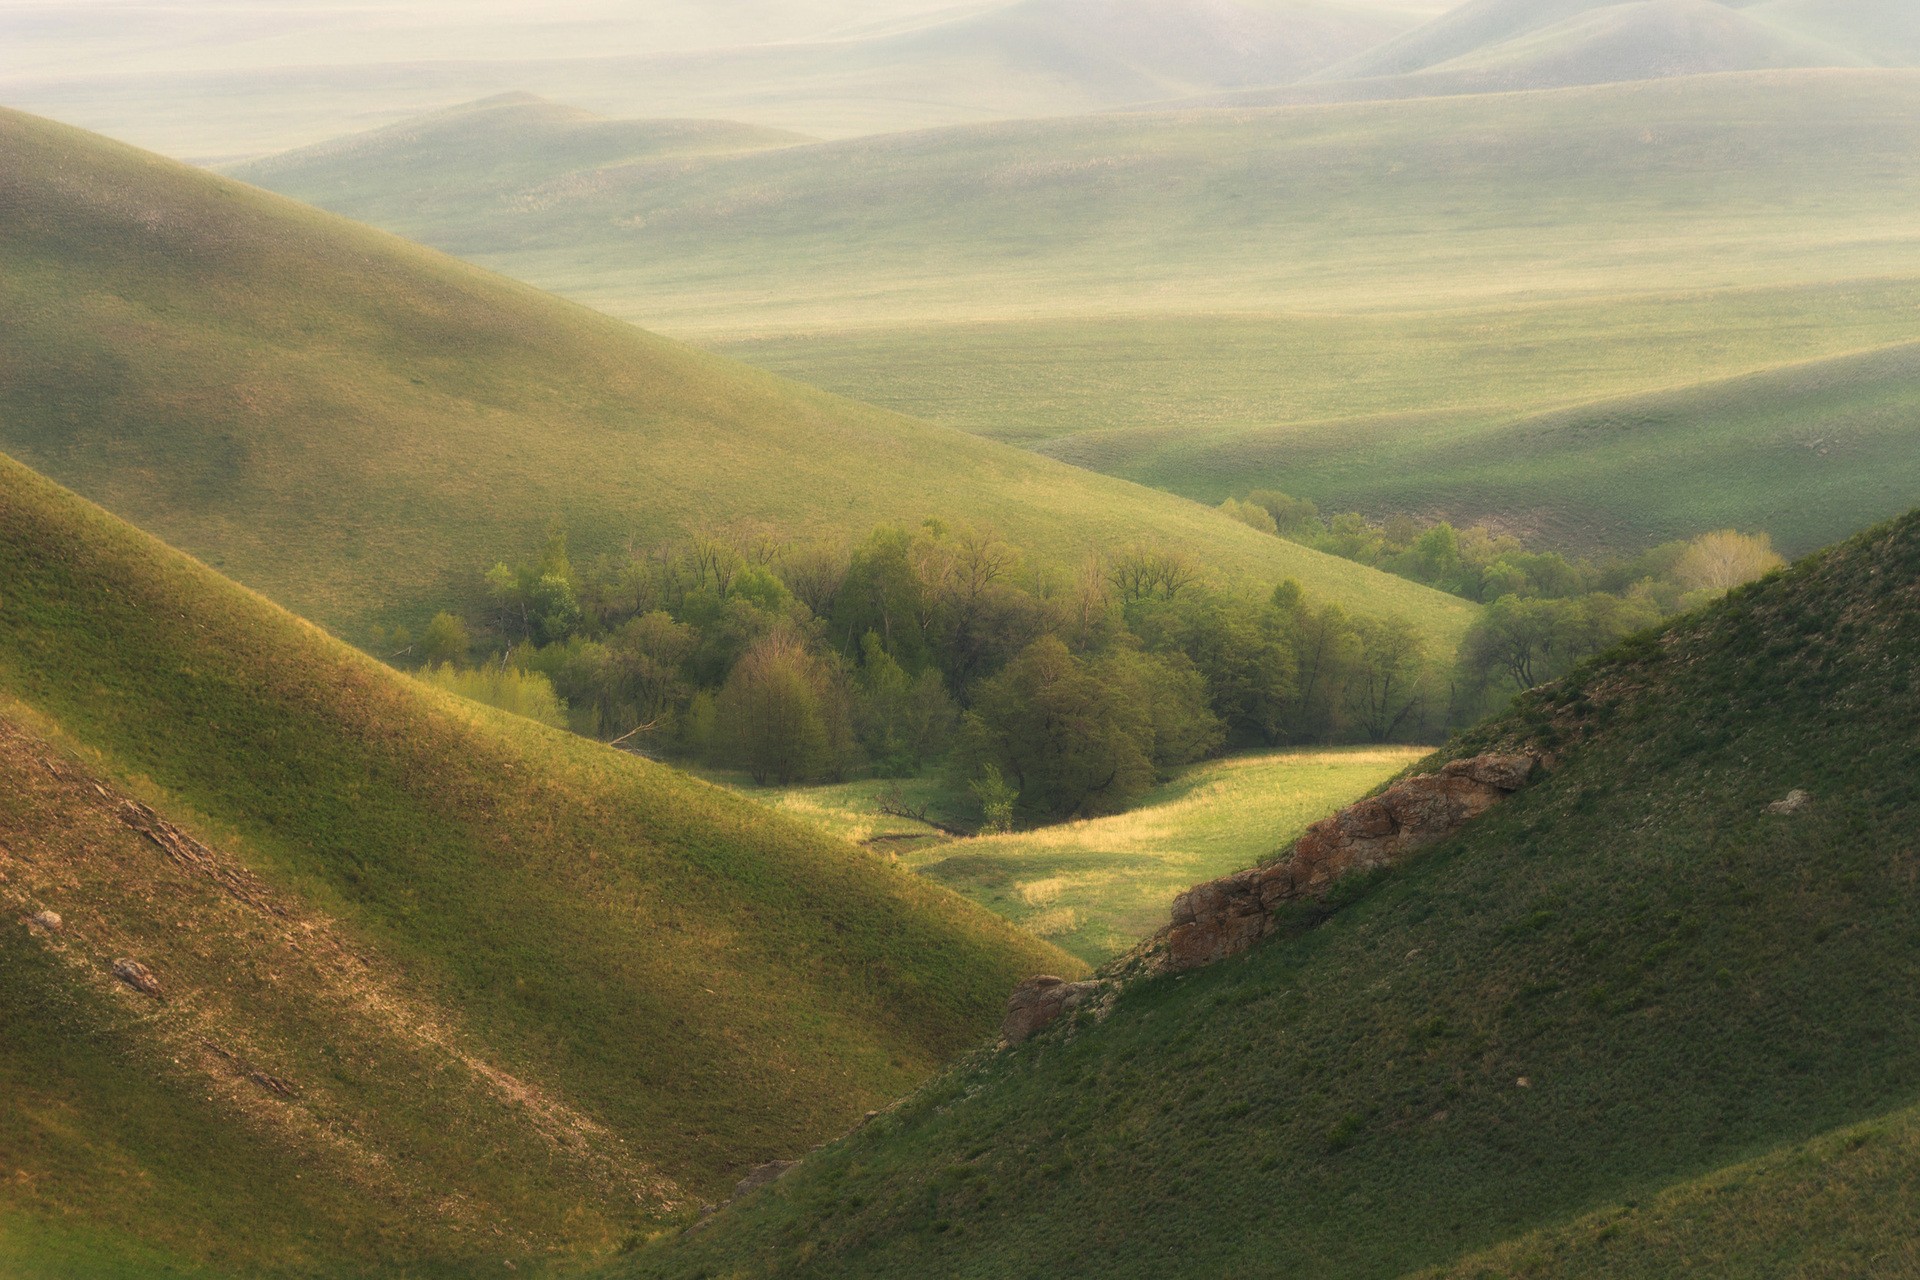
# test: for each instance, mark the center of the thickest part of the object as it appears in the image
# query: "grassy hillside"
(440, 983)
(507, 147)
(1760, 179)
(1214, 301)
(359, 427)
(1630, 977)
(1835, 1205)
(1805, 451)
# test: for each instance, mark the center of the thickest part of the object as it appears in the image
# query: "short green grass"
(1796, 400)
(1839, 1205)
(360, 427)
(1097, 887)
(1628, 978)
(707, 984)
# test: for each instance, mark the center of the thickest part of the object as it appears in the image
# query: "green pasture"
(1097, 887)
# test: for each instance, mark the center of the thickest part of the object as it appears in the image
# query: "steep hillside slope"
(433, 982)
(1640, 970)
(359, 427)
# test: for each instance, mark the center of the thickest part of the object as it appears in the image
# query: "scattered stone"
(1794, 801)
(870, 1117)
(48, 920)
(137, 976)
(1039, 1002)
(1227, 916)
(761, 1175)
(1524, 1083)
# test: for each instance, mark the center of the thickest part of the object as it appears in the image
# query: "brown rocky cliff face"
(1225, 917)
(1038, 1002)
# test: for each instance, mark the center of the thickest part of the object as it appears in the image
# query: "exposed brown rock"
(1227, 916)
(48, 920)
(1038, 1002)
(137, 976)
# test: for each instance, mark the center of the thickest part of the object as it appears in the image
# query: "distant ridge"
(1591, 44)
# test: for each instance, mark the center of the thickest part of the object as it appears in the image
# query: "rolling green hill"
(1801, 450)
(437, 984)
(1211, 301)
(1619, 1025)
(509, 147)
(359, 427)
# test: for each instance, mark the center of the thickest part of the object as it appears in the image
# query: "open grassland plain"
(359, 427)
(1634, 1007)
(1329, 300)
(413, 982)
(1097, 887)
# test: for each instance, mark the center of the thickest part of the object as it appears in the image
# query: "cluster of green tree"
(1480, 564)
(1544, 611)
(1046, 695)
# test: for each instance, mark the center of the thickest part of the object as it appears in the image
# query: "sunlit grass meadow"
(1098, 886)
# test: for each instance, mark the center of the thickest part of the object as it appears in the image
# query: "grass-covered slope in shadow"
(1840, 1205)
(359, 427)
(1628, 976)
(523, 985)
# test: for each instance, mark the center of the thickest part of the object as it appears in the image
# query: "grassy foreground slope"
(360, 427)
(1627, 977)
(520, 992)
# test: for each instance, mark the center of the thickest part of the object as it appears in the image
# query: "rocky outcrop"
(1039, 1002)
(137, 976)
(1227, 916)
(760, 1175)
(1794, 802)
